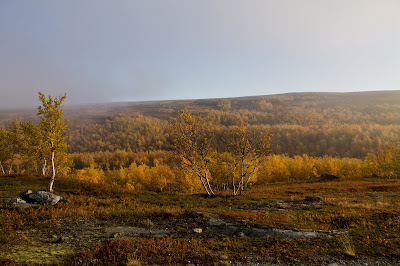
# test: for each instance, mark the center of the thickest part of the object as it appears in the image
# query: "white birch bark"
(53, 171)
(2, 169)
(44, 167)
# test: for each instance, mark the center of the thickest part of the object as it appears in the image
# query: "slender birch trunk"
(44, 167)
(241, 177)
(10, 170)
(208, 182)
(209, 187)
(204, 186)
(2, 169)
(53, 171)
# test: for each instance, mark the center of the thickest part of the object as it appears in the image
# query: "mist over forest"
(317, 124)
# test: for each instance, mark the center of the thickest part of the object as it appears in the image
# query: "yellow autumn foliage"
(159, 177)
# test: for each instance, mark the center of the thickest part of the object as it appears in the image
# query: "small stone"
(26, 192)
(60, 240)
(224, 257)
(241, 234)
(19, 200)
(314, 198)
(20, 203)
(115, 235)
(198, 230)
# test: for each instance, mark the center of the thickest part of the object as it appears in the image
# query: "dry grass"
(368, 211)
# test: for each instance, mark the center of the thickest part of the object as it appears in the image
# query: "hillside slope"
(337, 124)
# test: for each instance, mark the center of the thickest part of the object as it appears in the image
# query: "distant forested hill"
(336, 124)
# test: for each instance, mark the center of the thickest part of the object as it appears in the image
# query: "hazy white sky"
(127, 50)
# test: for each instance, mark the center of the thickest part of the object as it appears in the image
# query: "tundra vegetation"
(132, 169)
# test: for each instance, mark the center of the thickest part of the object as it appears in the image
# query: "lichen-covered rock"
(41, 197)
(16, 202)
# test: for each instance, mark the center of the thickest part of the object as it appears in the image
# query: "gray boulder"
(42, 197)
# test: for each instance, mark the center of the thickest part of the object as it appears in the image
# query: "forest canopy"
(317, 124)
(351, 135)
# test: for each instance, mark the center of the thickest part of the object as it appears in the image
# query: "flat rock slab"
(215, 222)
(260, 232)
(130, 231)
(233, 230)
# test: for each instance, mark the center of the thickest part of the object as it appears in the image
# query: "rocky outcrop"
(131, 231)
(231, 229)
(220, 226)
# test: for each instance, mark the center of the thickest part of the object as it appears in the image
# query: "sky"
(144, 50)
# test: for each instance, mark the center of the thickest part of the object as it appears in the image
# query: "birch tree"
(14, 138)
(247, 145)
(5, 153)
(192, 144)
(52, 129)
